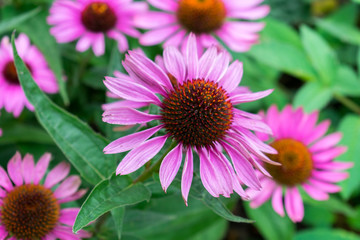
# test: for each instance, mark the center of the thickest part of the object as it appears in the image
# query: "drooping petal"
(187, 175)
(294, 204)
(277, 201)
(140, 155)
(170, 166)
(315, 193)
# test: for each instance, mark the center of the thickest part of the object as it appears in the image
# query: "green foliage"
(326, 234)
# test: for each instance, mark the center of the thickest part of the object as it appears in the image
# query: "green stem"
(348, 103)
(154, 168)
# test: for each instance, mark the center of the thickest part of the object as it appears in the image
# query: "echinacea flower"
(198, 95)
(208, 19)
(30, 205)
(90, 20)
(12, 96)
(307, 161)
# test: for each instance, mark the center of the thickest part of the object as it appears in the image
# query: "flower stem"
(348, 103)
(154, 168)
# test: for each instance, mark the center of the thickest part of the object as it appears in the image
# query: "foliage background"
(309, 53)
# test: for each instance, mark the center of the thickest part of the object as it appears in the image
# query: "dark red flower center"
(29, 212)
(201, 16)
(295, 159)
(197, 113)
(98, 17)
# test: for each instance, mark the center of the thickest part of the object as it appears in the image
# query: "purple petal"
(130, 90)
(277, 201)
(28, 168)
(79, 194)
(191, 57)
(127, 116)
(187, 175)
(249, 97)
(264, 194)
(317, 132)
(57, 174)
(130, 141)
(328, 155)
(315, 193)
(68, 216)
(15, 170)
(294, 204)
(330, 176)
(326, 187)
(174, 63)
(68, 187)
(5, 180)
(233, 76)
(170, 166)
(327, 142)
(140, 155)
(41, 167)
(337, 166)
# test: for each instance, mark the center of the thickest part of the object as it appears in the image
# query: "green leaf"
(112, 193)
(9, 24)
(344, 32)
(22, 133)
(280, 32)
(118, 217)
(326, 234)
(218, 207)
(76, 139)
(38, 31)
(270, 224)
(347, 82)
(320, 54)
(313, 96)
(350, 127)
(347, 14)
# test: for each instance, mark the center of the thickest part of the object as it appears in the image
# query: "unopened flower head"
(12, 97)
(197, 102)
(307, 161)
(91, 20)
(208, 19)
(30, 205)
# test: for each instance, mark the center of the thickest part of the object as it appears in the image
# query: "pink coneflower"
(90, 20)
(12, 97)
(208, 19)
(306, 158)
(30, 207)
(198, 95)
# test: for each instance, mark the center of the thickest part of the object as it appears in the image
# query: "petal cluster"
(297, 125)
(12, 97)
(220, 175)
(65, 189)
(66, 18)
(164, 25)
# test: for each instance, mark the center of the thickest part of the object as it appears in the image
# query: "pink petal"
(232, 78)
(264, 194)
(191, 57)
(315, 193)
(158, 35)
(151, 20)
(187, 175)
(3, 233)
(127, 116)
(277, 201)
(174, 63)
(28, 168)
(130, 141)
(251, 14)
(79, 194)
(63, 232)
(328, 155)
(5, 181)
(170, 166)
(98, 45)
(249, 97)
(41, 167)
(68, 187)
(57, 174)
(318, 132)
(166, 5)
(327, 142)
(336, 166)
(130, 90)
(294, 204)
(68, 216)
(326, 187)
(140, 155)
(330, 176)
(15, 170)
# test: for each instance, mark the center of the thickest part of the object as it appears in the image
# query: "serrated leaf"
(218, 207)
(326, 234)
(38, 31)
(9, 24)
(115, 192)
(313, 96)
(80, 144)
(270, 224)
(350, 127)
(322, 57)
